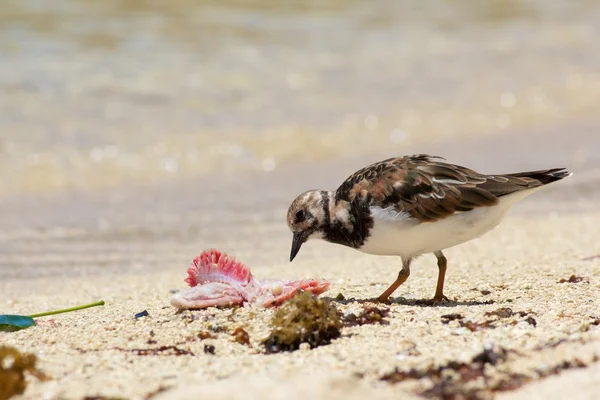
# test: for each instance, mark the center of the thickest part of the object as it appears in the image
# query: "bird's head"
(307, 216)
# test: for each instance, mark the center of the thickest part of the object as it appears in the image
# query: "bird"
(409, 206)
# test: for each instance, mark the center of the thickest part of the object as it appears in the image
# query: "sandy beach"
(96, 352)
(550, 334)
(134, 135)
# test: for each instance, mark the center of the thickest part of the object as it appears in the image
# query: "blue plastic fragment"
(11, 323)
(141, 314)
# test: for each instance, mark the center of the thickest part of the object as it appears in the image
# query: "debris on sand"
(451, 317)
(477, 326)
(474, 380)
(369, 315)
(303, 319)
(141, 314)
(504, 312)
(202, 335)
(161, 350)
(218, 280)
(209, 349)
(531, 321)
(340, 297)
(501, 314)
(13, 366)
(572, 279)
(241, 336)
(466, 371)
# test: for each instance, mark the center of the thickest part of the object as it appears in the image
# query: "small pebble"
(209, 349)
(304, 347)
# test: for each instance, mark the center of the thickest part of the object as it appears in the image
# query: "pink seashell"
(216, 279)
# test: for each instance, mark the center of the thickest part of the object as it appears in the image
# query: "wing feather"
(424, 187)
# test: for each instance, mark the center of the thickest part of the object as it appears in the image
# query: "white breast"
(395, 233)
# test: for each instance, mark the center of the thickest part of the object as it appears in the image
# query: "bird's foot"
(437, 299)
(383, 300)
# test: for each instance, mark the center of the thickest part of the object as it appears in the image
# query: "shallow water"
(110, 93)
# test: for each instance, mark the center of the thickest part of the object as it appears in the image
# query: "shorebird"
(409, 206)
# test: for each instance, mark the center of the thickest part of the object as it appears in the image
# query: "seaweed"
(100, 397)
(369, 315)
(471, 380)
(154, 351)
(451, 317)
(435, 303)
(13, 366)
(303, 319)
(503, 312)
(156, 392)
(466, 371)
(477, 326)
(531, 321)
(572, 279)
(457, 385)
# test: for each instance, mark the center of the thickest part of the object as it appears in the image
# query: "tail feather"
(544, 176)
(502, 185)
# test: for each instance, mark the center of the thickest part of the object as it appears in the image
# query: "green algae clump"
(303, 319)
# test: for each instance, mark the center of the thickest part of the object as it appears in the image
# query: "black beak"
(298, 239)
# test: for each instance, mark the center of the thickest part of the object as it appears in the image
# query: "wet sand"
(67, 250)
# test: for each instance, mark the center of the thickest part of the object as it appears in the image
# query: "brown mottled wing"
(427, 188)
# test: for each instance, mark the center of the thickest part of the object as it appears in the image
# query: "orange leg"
(402, 277)
(439, 290)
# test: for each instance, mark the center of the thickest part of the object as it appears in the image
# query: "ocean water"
(112, 93)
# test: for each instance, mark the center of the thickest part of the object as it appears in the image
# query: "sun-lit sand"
(134, 135)
(104, 351)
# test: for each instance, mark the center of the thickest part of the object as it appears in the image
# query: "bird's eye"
(300, 216)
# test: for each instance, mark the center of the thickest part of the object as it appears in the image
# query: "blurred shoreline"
(128, 129)
(101, 94)
(571, 146)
